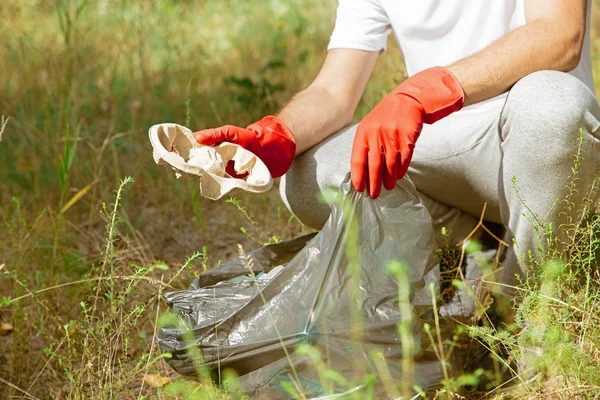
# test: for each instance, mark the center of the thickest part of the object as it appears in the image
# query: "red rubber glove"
(385, 138)
(269, 139)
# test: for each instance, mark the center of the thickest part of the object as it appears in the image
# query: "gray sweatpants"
(517, 158)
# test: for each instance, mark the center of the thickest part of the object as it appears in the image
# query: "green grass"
(82, 267)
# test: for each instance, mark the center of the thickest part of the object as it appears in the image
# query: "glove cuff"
(438, 91)
(276, 146)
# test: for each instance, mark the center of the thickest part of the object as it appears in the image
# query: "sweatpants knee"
(549, 98)
(300, 192)
(544, 113)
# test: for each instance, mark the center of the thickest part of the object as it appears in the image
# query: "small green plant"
(548, 348)
(65, 162)
(405, 327)
(255, 231)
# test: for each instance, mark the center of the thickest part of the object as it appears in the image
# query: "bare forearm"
(314, 114)
(537, 46)
(328, 104)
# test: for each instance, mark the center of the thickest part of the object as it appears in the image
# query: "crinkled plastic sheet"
(244, 324)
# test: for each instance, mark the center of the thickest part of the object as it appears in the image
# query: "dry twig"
(3, 123)
(18, 389)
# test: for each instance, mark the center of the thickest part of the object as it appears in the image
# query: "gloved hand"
(385, 139)
(269, 139)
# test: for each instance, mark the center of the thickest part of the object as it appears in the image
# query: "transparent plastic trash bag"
(308, 291)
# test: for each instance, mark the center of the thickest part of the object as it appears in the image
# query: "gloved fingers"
(358, 164)
(390, 172)
(211, 137)
(405, 159)
(376, 164)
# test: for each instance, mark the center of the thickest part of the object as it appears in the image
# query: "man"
(488, 110)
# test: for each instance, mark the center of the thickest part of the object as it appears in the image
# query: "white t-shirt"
(437, 32)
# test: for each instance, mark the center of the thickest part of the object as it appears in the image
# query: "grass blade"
(3, 123)
(76, 198)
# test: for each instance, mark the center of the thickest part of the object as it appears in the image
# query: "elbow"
(347, 115)
(344, 105)
(346, 108)
(573, 49)
(571, 60)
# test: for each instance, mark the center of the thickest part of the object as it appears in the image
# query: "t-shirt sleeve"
(360, 25)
